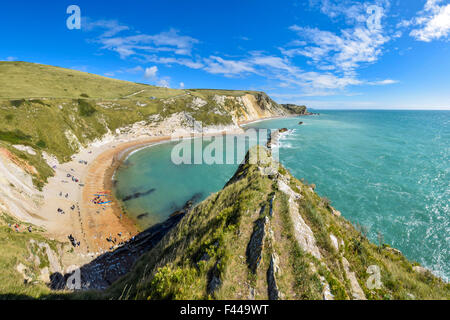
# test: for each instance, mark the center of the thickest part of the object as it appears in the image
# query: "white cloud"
(171, 60)
(150, 73)
(181, 85)
(272, 62)
(255, 63)
(333, 58)
(137, 69)
(11, 58)
(351, 10)
(345, 52)
(218, 65)
(433, 22)
(143, 44)
(134, 70)
(163, 83)
(383, 82)
(110, 27)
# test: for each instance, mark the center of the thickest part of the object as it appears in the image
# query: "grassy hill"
(248, 242)
(17, 249)
(20, 80)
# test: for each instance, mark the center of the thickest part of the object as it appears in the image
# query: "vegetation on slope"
(209, 254)
(21, 249)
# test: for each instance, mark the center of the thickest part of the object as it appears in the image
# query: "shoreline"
(89, 223)
(92, 224)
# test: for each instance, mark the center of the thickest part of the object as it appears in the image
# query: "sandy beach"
(91, 224)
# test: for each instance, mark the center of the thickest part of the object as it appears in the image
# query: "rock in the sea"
(393, 250)
(300, 123)
(138, 195)
(421, 270)
(335, 212)
(283, 130)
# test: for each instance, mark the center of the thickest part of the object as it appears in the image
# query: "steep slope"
(267, 235)
(27, 260)
(20, 80)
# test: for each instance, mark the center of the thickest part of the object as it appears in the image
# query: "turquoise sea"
(386, 170)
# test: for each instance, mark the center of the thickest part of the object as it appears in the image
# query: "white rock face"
(337, 213)
(357, 292)
(27, 149)
(420, 269)
(17, 193)
(303, 233)
(197, 103)
(334, 241)
(326, 293)
(23, 271)
(51, 160)
(73, 140)
(52, 257)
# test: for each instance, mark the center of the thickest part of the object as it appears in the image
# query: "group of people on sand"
(61, 211)
(66, 196)
(101, 198)
(73, 241)
(16, 227)
(114, 240)
(73, 178)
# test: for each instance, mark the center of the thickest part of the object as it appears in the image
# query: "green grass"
(28, 80)
(16, 248)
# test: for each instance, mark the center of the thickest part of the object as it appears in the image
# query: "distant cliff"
(295, 109)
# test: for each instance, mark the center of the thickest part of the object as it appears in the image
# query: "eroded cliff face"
(18, 195)
(37, 153)
(250, 107)
(267, 235)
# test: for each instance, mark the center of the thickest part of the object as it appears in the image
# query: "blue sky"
(323, 53)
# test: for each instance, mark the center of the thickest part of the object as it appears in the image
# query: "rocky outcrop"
(303, 233)
(274, 270)
(297, 110)
(357, 292)
(214, 281)
(255, 246)
(326, 292)
(18, 196)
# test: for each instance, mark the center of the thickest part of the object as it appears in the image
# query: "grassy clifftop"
(272, 237)
(29, 80)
